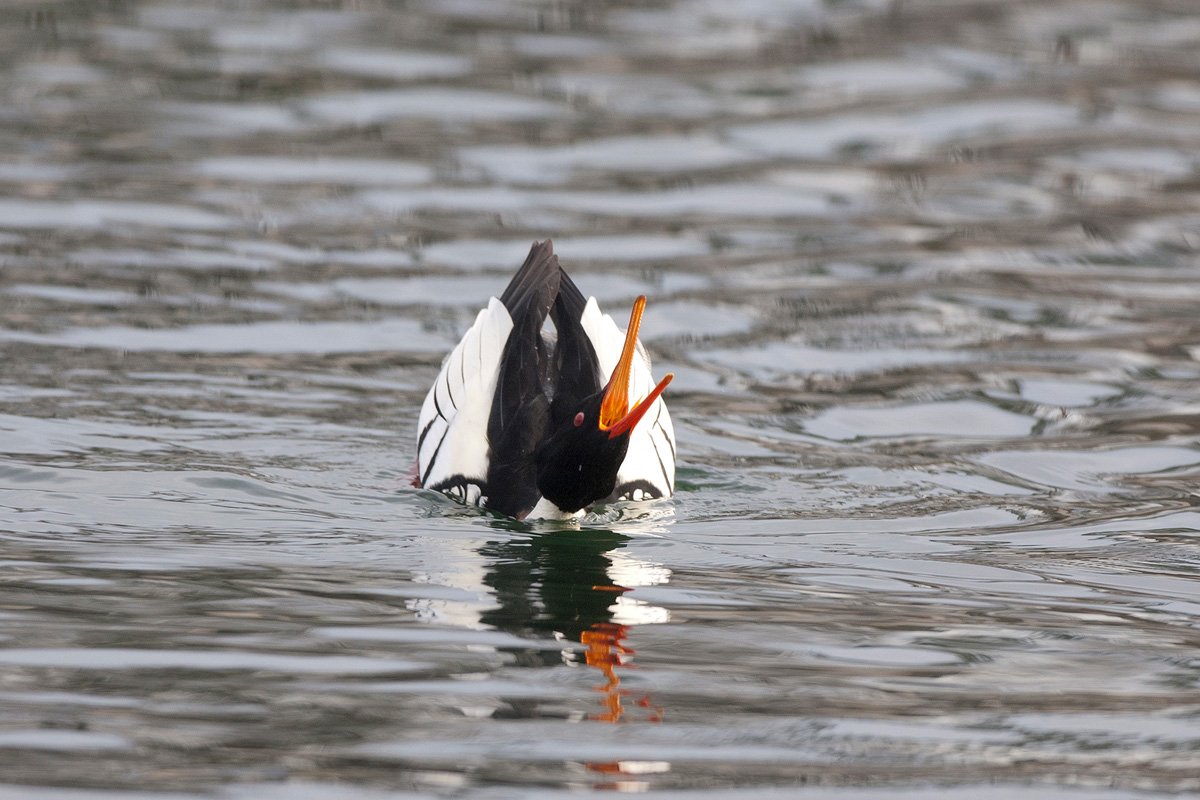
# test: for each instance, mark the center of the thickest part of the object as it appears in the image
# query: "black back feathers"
(520, 406)
(576, 368)
(535, 285)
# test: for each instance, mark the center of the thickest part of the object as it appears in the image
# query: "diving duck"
(535, 423)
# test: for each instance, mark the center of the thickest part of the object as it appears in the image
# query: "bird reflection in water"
(606, 652)
(571, 584)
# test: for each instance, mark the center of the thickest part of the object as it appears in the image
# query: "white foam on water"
(905, 135)
(62, 740)
(401, 65)
(428, 103)
(346, 171)
(967, 418)
(550, 165)
(122, 658)
(98, 214)
(399, 335)
(508, 254)
(732, 200)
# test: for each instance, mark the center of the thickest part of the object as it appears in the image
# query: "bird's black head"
(578, 464)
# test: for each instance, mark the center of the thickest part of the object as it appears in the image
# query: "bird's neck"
(547, 510)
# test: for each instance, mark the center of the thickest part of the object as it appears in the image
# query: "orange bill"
(615, 416)
(629, 420)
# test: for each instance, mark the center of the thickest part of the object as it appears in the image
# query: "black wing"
(575, 373)
(520, 406)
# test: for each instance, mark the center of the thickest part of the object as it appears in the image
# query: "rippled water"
(926, 274)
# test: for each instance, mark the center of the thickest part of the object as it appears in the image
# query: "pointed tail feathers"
(533, 288)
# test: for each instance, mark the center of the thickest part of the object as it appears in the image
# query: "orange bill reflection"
(607, 652)
(573, 584)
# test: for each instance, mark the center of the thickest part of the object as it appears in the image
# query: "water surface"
(926, 274)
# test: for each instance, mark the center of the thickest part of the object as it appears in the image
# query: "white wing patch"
(452, 448)
(651, 456)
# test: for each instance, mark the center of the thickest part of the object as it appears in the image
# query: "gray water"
(926, 274)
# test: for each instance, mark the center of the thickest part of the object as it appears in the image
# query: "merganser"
(540, 425)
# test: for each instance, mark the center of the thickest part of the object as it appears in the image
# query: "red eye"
(578, 419)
